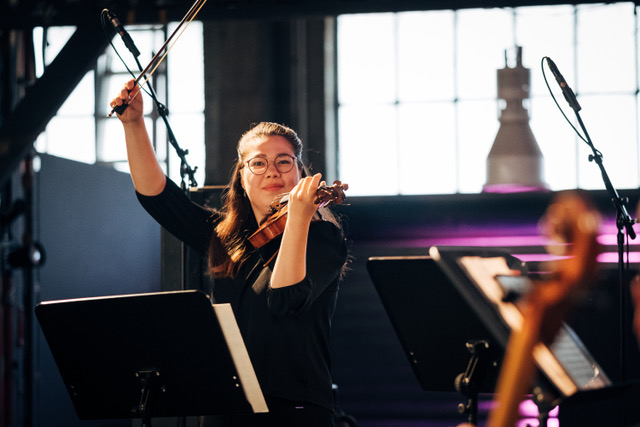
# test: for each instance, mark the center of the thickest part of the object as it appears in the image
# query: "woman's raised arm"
(148, 177)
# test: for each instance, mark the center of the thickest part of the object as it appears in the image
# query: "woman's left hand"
(302, 199)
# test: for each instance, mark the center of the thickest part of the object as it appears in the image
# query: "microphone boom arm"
(163, 112)
(623, 219)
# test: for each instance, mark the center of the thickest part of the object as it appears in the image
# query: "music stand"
(432, 320)
(150, 355)
(437, 308)
(438, 330)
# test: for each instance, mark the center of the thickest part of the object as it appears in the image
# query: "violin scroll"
(334, 193)
(273, 225)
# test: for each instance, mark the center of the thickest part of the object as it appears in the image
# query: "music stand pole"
(147, 379)
(469, 382)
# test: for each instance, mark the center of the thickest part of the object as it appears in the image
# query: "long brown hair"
(228, 247)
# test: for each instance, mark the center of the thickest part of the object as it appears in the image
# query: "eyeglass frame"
(294, 158)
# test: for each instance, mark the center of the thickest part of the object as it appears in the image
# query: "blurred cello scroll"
(537, 316)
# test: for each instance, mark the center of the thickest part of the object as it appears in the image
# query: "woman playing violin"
(284, 293)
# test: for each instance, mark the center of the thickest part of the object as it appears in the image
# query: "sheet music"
(484, 271)
(576, 361)
(240, 356)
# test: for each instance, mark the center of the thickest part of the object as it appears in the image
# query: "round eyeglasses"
(259, 165)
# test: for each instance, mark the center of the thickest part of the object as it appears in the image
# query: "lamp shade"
(515, 162)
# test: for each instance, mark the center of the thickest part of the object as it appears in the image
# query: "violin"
(273, 225)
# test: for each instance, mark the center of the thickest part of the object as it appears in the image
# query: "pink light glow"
(513, 188)
(612, 257)
(511, 238)
(538, 257)
(491, 241)
(609, 233)
(528, 408)
(612, 240)
(529, 412)
(533, 422)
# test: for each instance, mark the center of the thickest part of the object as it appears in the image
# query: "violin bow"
(162, 52)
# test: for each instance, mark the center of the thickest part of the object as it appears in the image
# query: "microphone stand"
(623, 222)
(185, 169)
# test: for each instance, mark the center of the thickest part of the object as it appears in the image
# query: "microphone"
(126, 38)
(566, 90)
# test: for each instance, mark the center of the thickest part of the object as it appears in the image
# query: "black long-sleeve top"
(286, 330)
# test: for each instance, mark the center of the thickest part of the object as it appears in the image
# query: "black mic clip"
(126, 38)
(566, 90)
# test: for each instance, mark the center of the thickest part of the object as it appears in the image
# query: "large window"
(98, 139)
(417, 95)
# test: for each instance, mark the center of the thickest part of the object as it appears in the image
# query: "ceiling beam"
(32, 13)
(30, 117)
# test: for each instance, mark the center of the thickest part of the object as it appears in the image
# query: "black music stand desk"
(433, 321)
(438, 309)
(162, 354)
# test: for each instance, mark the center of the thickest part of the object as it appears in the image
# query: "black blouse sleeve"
(326, 255)
(191, 223)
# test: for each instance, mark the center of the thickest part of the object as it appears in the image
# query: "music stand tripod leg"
(147, 379)
(544, 406)
(469, 382)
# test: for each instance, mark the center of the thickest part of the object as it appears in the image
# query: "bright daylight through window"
(98, 139)
(418, 108)
(417, 96)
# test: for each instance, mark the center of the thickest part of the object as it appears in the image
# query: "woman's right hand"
(129, 95)
(147, 174)
(302, 205)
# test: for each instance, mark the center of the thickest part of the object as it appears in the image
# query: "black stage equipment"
(454, 334)
(161, 354)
